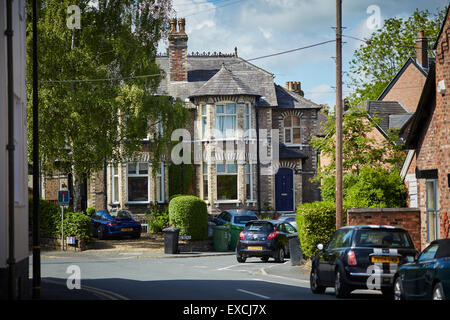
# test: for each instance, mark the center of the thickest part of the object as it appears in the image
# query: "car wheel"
(340, 288)
(240, 258)
(280, 255)
(100, 234)
(265, 259)
(398, 291)
(314, 282)
(438, 292)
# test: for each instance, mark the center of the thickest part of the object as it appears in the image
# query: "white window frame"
(247, 121)
(115, 175)
(432, 213)
(250, 175)
(160, 175)
(225, 115)
(291, 129)
(227, 173)
(137, 174)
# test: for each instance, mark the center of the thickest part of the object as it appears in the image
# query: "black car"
(264, 239)
(361, 257)
(428, 277)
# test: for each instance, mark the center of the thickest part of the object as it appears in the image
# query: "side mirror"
(320, 247)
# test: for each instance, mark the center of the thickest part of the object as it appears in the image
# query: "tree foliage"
(375, 64)
(97, 84)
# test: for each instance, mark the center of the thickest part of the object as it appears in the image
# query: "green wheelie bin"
(234, 236)
(221, 238)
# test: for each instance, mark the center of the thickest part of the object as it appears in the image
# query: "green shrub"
(189, 213)
(376, 188)
(316, 224)
(158, 220)
(77, 224)
(90, 211)
(49, 216)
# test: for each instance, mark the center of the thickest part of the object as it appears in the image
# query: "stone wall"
(406, 218)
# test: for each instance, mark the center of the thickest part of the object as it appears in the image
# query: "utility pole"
(36, 172)
(339, 206)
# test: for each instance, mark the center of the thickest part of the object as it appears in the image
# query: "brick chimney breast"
(177, 51)
(422, 50)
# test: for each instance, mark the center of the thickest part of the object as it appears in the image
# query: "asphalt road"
(129, 276)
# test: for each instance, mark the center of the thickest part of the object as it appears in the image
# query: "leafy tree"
(97, 84)
(359, 150)
(375, 64)
(376, 188)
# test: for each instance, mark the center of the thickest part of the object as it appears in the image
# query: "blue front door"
(284, 190)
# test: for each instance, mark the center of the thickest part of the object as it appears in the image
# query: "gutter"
(12, 295)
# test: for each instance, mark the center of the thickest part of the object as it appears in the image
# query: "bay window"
(226, 121)
(227, 181)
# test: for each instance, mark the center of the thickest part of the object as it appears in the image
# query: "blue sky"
(260, 27)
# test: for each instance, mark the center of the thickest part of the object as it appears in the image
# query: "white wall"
(20, 135)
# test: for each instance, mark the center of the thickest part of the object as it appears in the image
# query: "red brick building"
(429, 138)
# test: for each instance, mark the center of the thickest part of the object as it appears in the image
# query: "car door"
(333, 252)
(425, 271)
(96, 221)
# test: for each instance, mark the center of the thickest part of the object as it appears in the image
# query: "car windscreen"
(259, 227)
(244, 219)
(121, 215)
(382, 238)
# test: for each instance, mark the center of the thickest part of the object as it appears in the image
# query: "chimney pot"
(422, 50)
(173, 25)
(181, 25)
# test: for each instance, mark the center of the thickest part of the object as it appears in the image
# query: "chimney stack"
(422, 50)
(294, 86)
(177, 50)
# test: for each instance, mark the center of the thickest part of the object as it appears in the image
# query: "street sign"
(63, 197)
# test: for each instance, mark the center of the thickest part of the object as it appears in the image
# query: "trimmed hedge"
(190, 214)
(316, 224)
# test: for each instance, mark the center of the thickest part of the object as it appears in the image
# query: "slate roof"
(224, 83)
(290, 152)
(254, 79)
(397, 121)
(289, 99)
(382, 110)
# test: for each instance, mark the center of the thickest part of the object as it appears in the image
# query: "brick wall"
(408, 88)
(407, 218)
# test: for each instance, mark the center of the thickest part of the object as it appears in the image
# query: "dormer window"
(292, 129)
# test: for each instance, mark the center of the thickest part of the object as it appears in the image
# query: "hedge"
(76, 224)
(316, 224)
(190, 214)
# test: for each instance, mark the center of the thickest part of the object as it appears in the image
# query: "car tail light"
(351, 258)
(272, 235)
(112, 224)
(242, 235)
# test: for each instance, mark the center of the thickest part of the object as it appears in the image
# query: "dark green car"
(428, 277)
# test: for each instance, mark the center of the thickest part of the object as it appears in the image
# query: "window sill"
(137, 203)
(219, 202)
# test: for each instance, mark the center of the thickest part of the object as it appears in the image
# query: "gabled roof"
(224, 83)
(399, 74)
(288, 99)
(424, 111)
(383, 110)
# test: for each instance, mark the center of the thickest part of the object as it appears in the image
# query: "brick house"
(428, 138)
(228, 99)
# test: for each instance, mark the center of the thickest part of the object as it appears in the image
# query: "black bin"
(295, 250)
(171, 240)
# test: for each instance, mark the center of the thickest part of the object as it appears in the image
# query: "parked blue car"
(235, 217)
(428, 277)
(114, 224)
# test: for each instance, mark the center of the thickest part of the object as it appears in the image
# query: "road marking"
(226, 268)
(252, 293)
(105, 293)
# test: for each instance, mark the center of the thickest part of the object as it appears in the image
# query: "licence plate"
(127, 229)
(385, 259)
(255, 248)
